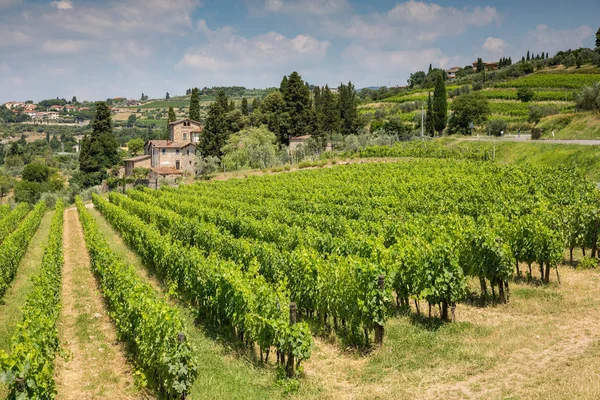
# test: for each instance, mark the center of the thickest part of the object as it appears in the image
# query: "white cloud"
(124, 17)
(318, 7)
(412, 23)
(62, 46)
(494, 45)
(546, 39)
(62, 4)
(226, 50)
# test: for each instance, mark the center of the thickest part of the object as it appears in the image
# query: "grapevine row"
(153, 330)
(29, 368)
(15, 245)
(222, 292)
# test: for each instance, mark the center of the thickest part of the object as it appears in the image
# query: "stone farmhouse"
(172, 157)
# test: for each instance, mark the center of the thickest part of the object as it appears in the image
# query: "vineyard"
(349, 246)
(279, 263)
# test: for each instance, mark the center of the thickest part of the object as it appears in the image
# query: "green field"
(565, 81)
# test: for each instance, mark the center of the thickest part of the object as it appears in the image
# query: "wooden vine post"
(290, 361)
(378, 327)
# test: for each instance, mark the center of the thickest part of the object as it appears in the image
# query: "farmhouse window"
(184, 135)
(177, 165)
(164, 151)
(176, 151)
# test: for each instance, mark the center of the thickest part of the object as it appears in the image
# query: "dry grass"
(544, 344)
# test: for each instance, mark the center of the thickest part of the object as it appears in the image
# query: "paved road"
(527, 138)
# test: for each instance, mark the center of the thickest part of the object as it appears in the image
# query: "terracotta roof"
(166, 171)
(183, 120)
(300, 137)
(168, 144)
(138, 158)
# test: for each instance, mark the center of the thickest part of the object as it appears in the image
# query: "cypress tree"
(546, 56)
(348, 102)
(231, 105)
(430, 69)
(244, 106)
(528, 55)
(480, 65)
(298, 106)
(597, 40)
(215, 132)
(99, 151)
(167, 96)
(195, 105)
(329, 117)
(523, 59)
(172, 116)
(440, 105)
(429, 129)
(255, 104)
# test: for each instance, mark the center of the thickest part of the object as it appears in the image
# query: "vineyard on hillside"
(350, 245)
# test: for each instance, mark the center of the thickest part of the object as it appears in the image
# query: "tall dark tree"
(99, 151)
(172, 116)
(74, 100)
(347, 104)
(528, 58)
(430, 69)
(298, 105)
(167, 96)
(598, 39)
(440, 105)
(195, 105)
(255, 104)
(245, 106)
(283, 86)
(429, 128)
(215, 132)
(480, 65)
(231, 105)
(329, 116)
(273, 113)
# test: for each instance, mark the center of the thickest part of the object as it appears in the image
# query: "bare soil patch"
(95, 366)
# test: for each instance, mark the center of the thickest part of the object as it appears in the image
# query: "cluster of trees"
(426, 80)
(37, 178)
(292, 110)
(504, 62)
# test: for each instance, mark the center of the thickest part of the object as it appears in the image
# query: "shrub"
(525, 94)
(588, 263)
(536, 133)
(36, 173)
(588, 98)
(28, 192)
(497, 126)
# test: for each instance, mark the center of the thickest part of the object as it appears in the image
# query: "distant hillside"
(553, 89)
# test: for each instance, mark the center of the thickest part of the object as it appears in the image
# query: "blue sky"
(108, 48)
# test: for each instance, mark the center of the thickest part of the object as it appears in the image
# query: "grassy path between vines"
(95, 367)
(221, 374)
(14, 299)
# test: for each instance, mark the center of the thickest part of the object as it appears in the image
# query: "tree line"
(290, 111)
